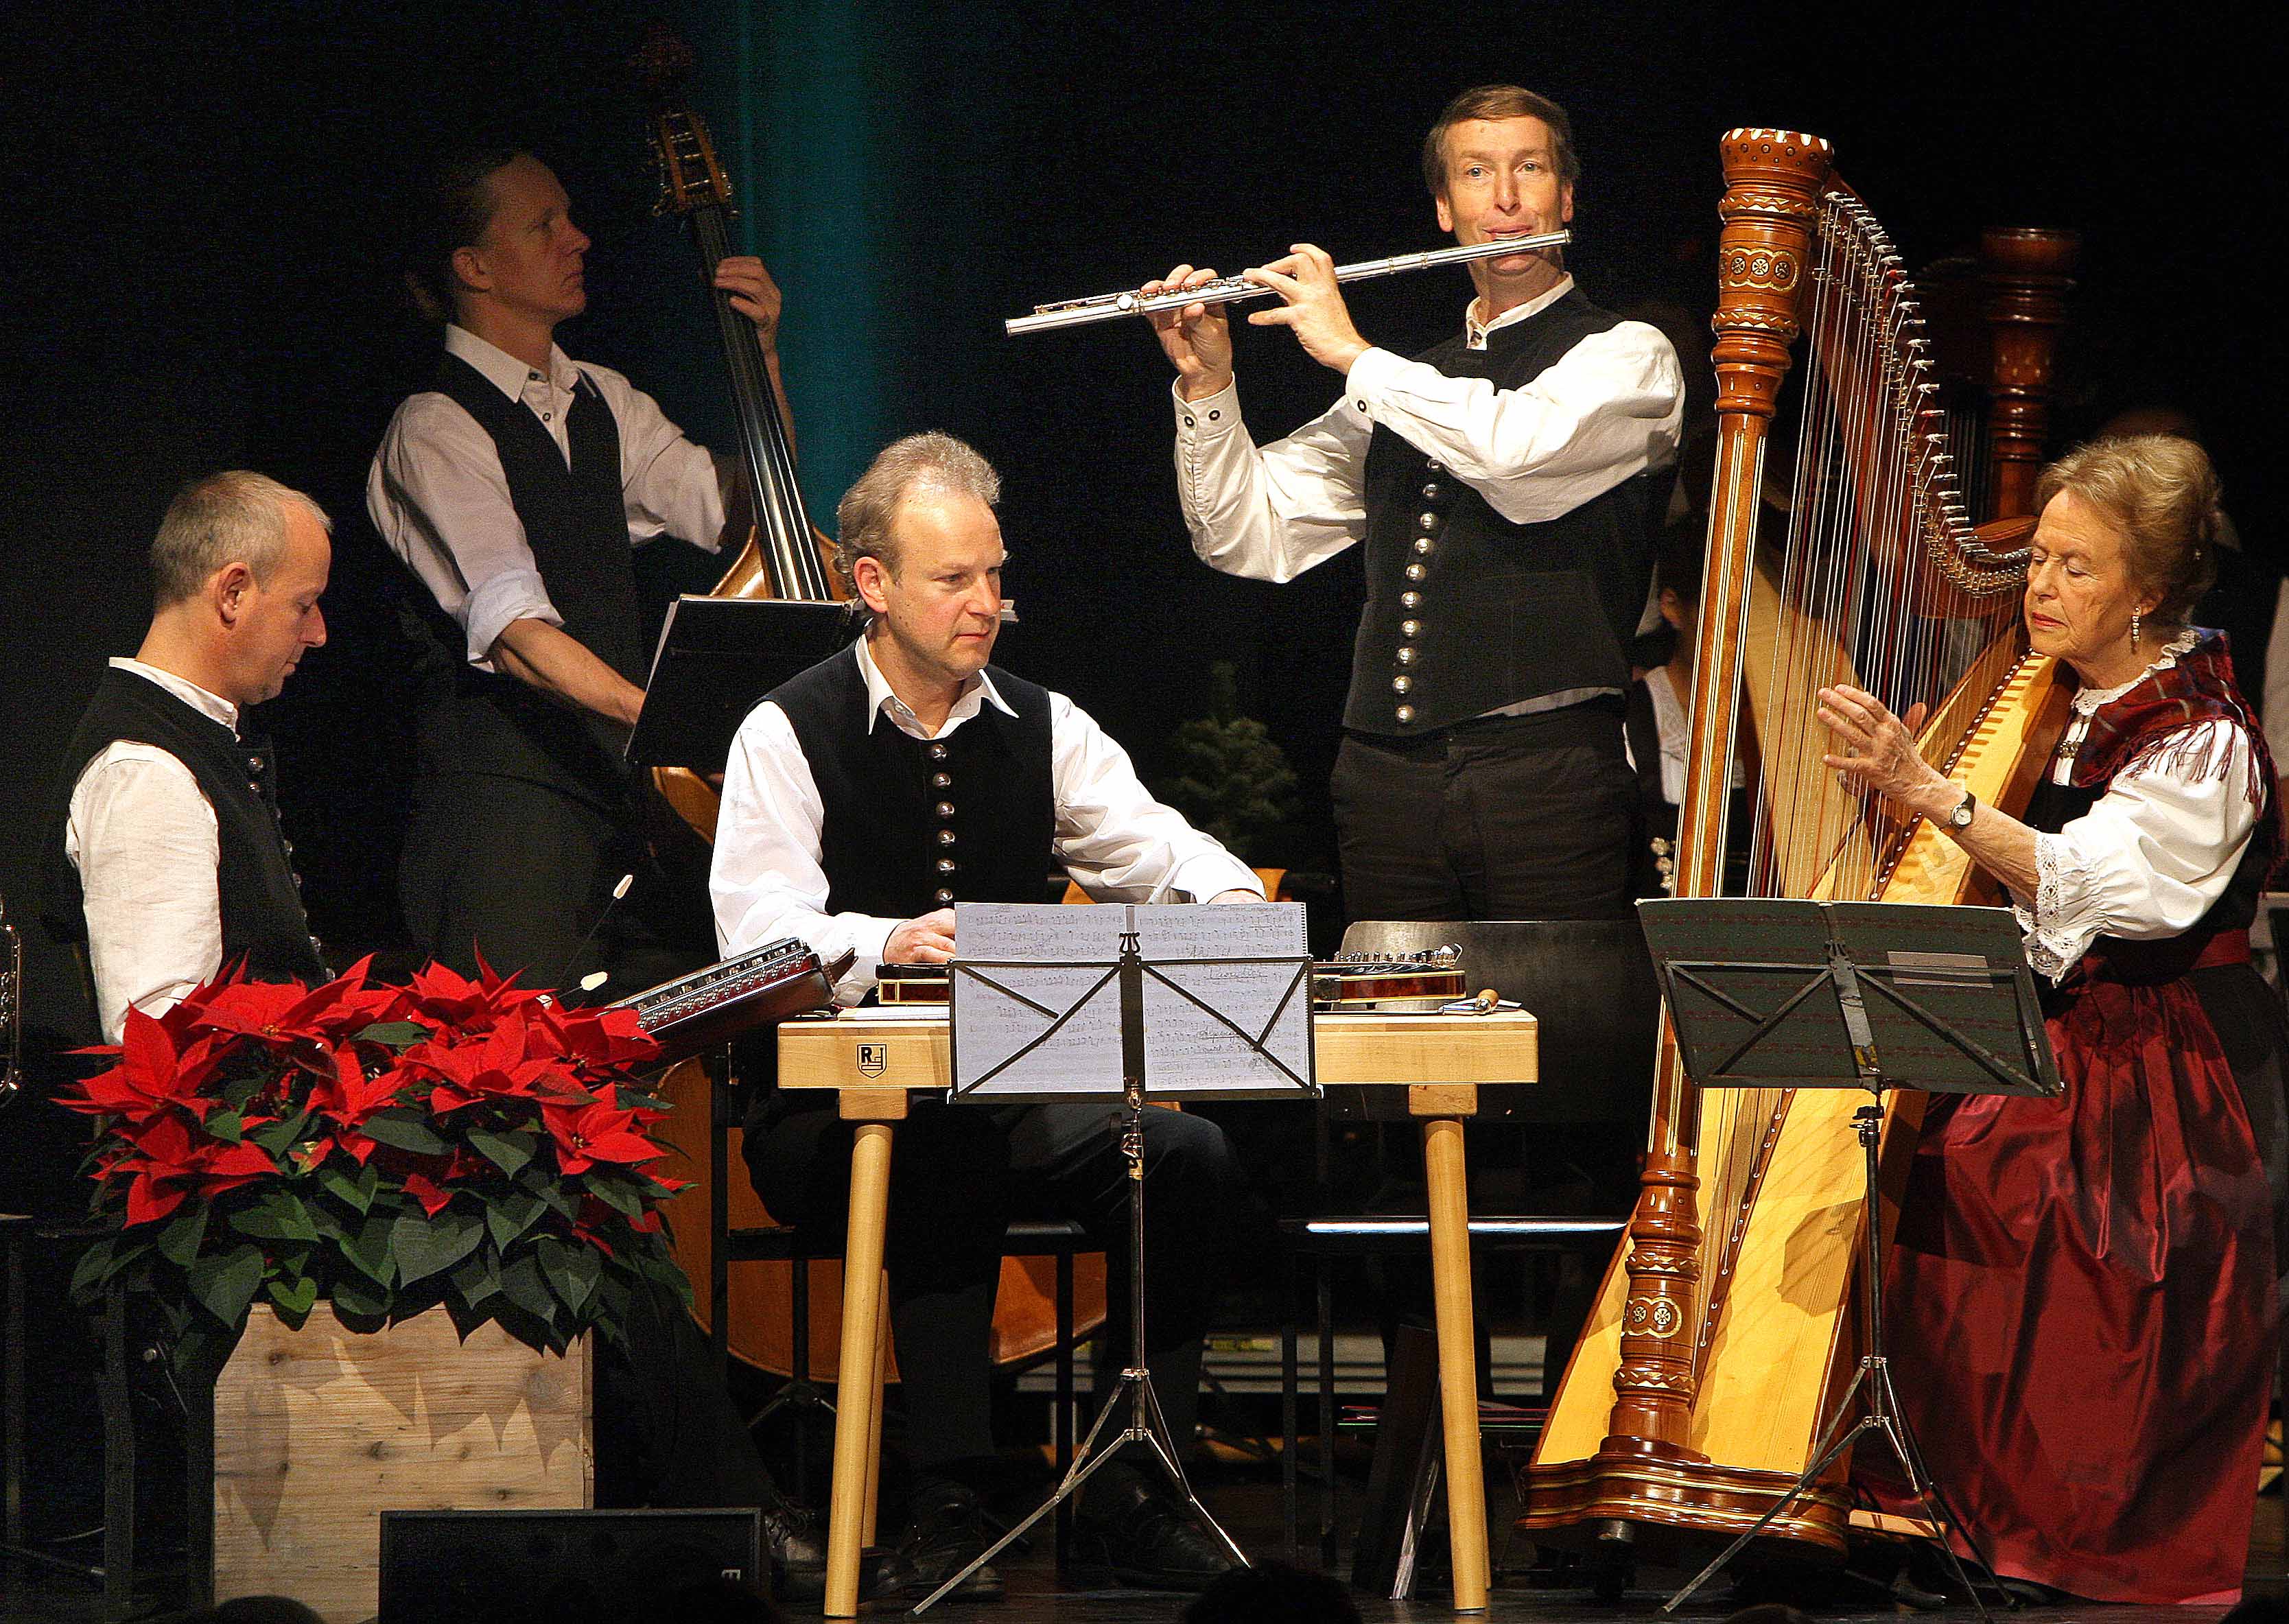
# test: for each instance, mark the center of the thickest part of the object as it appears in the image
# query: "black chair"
(1590, 984)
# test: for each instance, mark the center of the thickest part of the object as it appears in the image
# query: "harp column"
(2029, 274)
(1771, 199)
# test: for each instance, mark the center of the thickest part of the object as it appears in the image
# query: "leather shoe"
(796, 1545)
(946, 1532)
(1145, 1536)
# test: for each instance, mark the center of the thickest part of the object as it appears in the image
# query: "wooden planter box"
(318, 1431)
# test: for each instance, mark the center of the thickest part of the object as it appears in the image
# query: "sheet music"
(1070, 1016)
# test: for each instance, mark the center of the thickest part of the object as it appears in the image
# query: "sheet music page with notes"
(1037, 1000)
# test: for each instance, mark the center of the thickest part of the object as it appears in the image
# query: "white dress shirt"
(143, 836)
(1608, 409)
(1111, 836)
(438, 495)
(2152, 856)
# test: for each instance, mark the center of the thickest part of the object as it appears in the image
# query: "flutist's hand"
(1197, 338)
(1314, 306)
(753, 294)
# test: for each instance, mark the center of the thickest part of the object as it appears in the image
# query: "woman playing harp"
(2081, 1291)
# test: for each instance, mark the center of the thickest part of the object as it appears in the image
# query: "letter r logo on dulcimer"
(872, 1058)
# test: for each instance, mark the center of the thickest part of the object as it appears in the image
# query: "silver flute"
(1231, 290)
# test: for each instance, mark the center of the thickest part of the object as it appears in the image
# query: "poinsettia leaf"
(407, 1130)
(354, 1190)
(294, 1299)
(102, 1262)
(548, 1184)
(617, 1196)
(179, 1242)
(225, 1126)
(276, 1137)
(427, 1246)
(508, 1151)
(278, 1215)
(522, 1283)
(371, 1248)
(354, 1299)
(399, 1035)
(477, 1277)
(631, 1098)
(224, 1283)
(511, 1214)
(571, 1271)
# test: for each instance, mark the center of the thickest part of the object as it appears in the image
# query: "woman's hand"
(1876, 751)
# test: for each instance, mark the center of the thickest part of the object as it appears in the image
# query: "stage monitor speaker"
(565, 1567)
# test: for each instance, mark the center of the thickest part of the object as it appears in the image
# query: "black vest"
(913, 824)
(1495, 612)
(575, 524)
(262, 918)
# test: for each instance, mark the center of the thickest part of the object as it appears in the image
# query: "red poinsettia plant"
(469, 1144)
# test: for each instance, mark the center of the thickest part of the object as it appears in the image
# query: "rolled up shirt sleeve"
(2147, 860)
(1118, 842)
(438, 494)
(766, 880)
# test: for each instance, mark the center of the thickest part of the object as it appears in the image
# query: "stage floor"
(1251, 1507)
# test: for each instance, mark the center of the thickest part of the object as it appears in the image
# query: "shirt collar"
(213, 706)
(504, 370)
(881, 700)
(1475, 331)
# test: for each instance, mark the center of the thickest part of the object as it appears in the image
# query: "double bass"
(784, 557)
(1722, 1337)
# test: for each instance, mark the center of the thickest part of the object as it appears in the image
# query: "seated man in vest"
(863, 799)
(515, 489)
(171, 863)
(1509, 484)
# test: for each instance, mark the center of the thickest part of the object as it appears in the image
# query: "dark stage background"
(197, 245)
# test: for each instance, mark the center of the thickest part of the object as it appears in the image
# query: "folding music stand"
(716, 658)
(1046, 989)
(1767, 993)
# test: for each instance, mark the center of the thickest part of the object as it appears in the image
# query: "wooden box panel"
(318, 1431)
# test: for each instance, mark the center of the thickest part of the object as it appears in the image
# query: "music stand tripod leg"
(1146, 1425)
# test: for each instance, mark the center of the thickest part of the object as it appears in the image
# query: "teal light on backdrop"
(799, 82)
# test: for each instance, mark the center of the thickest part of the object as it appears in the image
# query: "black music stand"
(1126, 976)
(716, 658)
(1781, 994)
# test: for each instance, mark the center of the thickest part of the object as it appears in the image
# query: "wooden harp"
(1724, 1333)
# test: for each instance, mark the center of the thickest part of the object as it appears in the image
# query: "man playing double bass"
(1509, 484)
(515, 489)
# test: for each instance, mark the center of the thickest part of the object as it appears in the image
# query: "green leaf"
(179, 1242)
(354, 1299)
(510, 1214)
(102, 1262)
(371, 1248)
(396, 1034)
(224, 1283)
(571, 1269)
(294, 1299)
(226, 1126)
(508, 1151)
(522, 1284)
(278, 1215)
(279, 1137)
(548, 1184)
(478, 1277)
(617, 1196)
(408, 1130)
(430, 1245)
(354, 1190)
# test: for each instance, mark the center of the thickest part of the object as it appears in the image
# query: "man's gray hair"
(930, 462)
(235, 517)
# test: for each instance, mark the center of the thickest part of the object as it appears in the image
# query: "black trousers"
(520, 872)
(1515, 817)
(959, 1175)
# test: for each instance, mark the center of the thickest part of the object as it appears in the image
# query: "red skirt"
(2081, 1308)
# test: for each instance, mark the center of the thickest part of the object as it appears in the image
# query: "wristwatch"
(1960, 818)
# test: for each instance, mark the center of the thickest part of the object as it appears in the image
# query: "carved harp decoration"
(1723, 1334)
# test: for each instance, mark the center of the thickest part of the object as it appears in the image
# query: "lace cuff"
(2053, 945)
